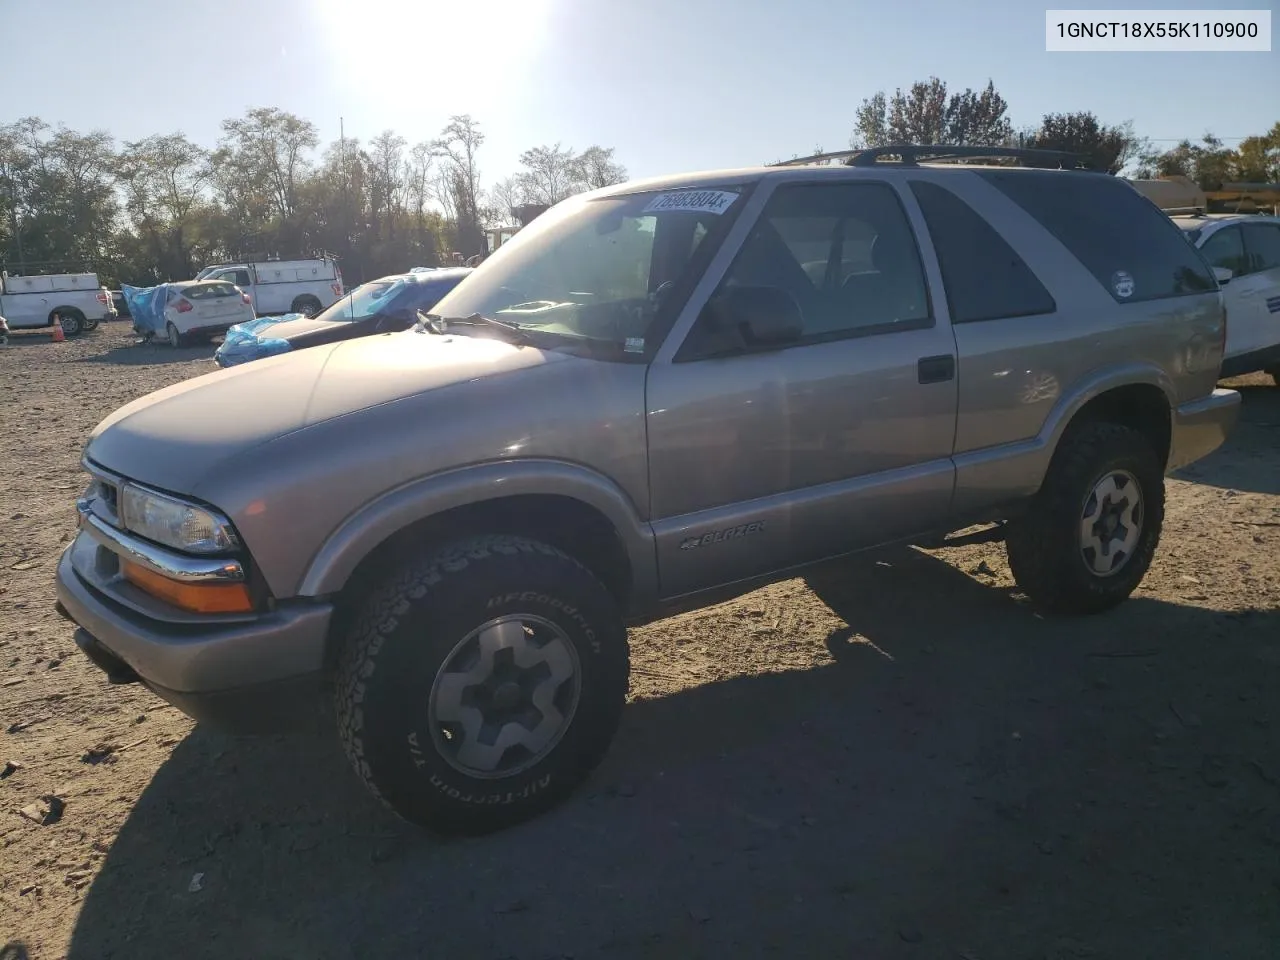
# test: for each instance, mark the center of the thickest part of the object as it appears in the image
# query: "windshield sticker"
(1122, 284)
(634, 345)
(697, 201)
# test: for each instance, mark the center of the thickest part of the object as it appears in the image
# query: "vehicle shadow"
(136, 354)
(963, 778)
(1250, 459)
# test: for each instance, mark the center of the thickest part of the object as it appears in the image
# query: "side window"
(844, 253)
(1226, 249)
(1262, 244)
(241, 279)
(1132, 248)
(984, 276)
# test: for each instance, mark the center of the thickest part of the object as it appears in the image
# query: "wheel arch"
(571, 507)
(65, 308)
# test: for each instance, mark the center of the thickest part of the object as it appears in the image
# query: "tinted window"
(1262, 242)
(985, 278)
(209, 291)
(1226, 249)
(845, 253)
(1122, 238)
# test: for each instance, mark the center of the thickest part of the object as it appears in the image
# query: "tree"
(1106, 148)
(1209, 163)
(1258, 158)
(267, 149)
(550, 174)
(978, 118)
(162, 179)
(596, 168)
(458, 144)
(925, 114)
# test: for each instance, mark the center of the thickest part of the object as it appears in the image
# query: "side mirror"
(1223, 274)
(759, 316)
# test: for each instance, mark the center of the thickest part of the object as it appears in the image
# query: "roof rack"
(909, 154)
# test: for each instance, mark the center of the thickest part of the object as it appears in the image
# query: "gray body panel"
(712, 472)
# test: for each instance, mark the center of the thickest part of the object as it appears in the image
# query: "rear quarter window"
(984, 277)
(209, 291)
(1132, 248)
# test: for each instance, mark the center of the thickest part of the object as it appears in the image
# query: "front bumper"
(1200, 427)
(243, 674)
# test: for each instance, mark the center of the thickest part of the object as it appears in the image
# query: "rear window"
(984, 276)
(210, 291)
(1132, 249)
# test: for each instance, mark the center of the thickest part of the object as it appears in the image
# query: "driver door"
(763, 459)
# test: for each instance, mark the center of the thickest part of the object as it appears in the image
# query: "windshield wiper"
(438, 324)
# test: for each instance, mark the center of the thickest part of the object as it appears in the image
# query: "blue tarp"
(245, 341)
(146, 306)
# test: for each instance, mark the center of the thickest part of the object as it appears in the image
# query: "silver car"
(655, 394)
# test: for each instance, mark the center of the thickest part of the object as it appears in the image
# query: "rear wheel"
(175, 338)
(1091, 532)
(72, 320)
(306, 305)
(479, 687)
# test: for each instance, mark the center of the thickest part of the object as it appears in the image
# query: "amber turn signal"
(195, 597)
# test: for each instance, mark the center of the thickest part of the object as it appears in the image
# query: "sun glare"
(405, 50)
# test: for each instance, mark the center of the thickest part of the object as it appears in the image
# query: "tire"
(176, 339)
(306, 304)
(400, 715)
(72, 321)
(1095, 472)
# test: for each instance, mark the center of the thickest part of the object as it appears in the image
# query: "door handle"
(936, 369)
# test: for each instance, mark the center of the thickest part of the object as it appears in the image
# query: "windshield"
(598, 269)
(364, 301)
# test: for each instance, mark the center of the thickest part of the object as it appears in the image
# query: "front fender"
(361, 532)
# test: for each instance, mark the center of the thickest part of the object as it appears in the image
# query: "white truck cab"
(1249, 246)
(283, 286)
(77, 299)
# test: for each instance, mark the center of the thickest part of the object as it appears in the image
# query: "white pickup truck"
(77, 299)
(283, 286)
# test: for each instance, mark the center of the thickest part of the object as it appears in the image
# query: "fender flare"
(363, 531)
(1095, 385)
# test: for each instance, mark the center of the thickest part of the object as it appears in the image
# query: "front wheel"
(479, 687)
(1091, 532)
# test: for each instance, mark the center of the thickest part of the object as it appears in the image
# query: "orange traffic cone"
(58, 335)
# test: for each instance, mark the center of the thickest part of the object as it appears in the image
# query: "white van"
(1249, 246)
(77, 299)
(283, 286)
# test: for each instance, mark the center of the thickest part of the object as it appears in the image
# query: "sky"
(673, 85)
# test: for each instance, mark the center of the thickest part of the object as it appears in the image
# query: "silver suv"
(655, 393)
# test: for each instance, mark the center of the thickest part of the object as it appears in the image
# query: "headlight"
(174, 523)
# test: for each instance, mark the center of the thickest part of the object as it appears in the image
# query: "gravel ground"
(890, 758)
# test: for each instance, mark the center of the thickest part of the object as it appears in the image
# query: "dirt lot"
(893, 758)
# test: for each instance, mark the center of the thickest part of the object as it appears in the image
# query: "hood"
(300, 327)
(172, 438)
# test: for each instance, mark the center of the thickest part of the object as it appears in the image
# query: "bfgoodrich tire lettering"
(406, 637)
(1045, 547)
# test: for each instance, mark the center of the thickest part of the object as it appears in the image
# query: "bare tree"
(550, 174)
(596, 168)
(458, 144)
